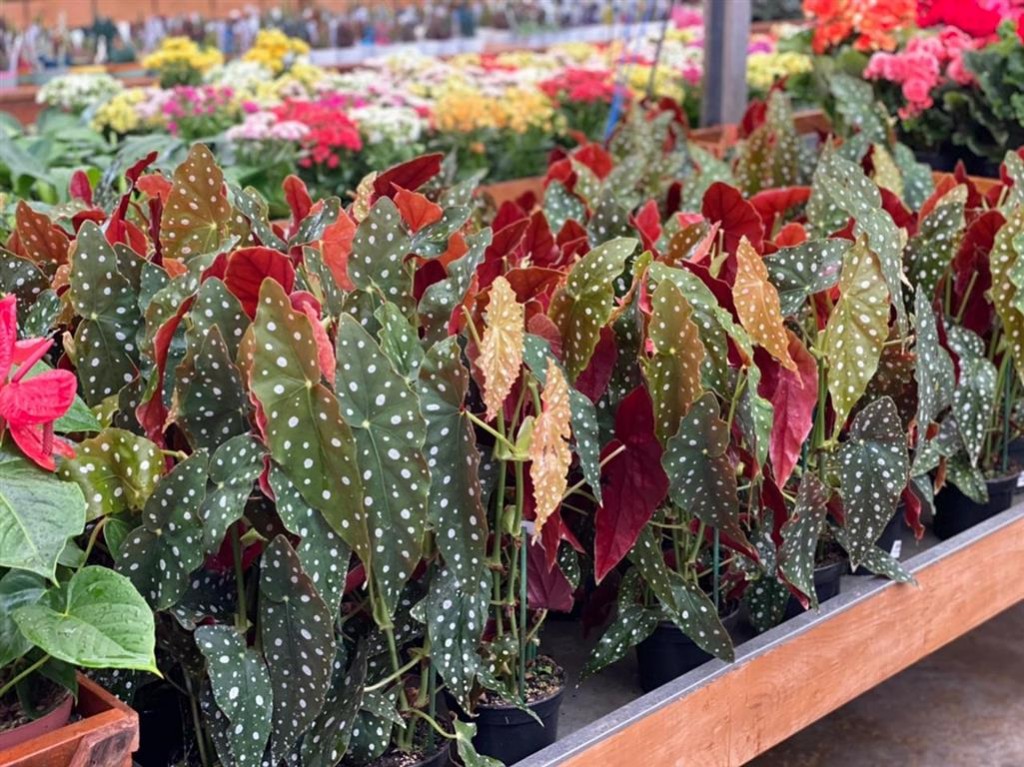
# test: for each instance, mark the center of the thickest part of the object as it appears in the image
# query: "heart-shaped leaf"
(702, 480)
(242, 689)
(384, 415)
(800, 536)
(160, 555)
(456, 511)
(197, 213)
(856, 330)
(38, 514)
(296, 629)
(585, 305)
(116, 470)
(105, 352)
(873, 470)
(98, 621)
(674, 370)
(306, 434)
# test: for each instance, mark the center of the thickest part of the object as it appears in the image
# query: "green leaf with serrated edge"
(306, 434)
(216, 307)
(41, 315)
(800, 535)
(17, 589)
(323, 554)
(196, 214)
(609, 221)
(766, 600)
(583, 413)
(210, 401)
(326, 741)
(117, 471)
(697, 617)
(98, 621)
(233, 470)
(649, 559)
(253, 208)
(934, 372)
(1005, 293)
(399, 340)
(242, 688)
(674, 369)
(455, 510)
(931, 250)
(442, 298)
(456, 615)
(22, 278)
(160, 555)
(585, 305)
(560, 205)
(105, 352)
(873, 470)
(297, 632)
(631, 626)
(805, 269)
(702, 479)
(856, 330)
(975, 396)
(464, 734)
(379, 248)
(855, 193)
(384, 414)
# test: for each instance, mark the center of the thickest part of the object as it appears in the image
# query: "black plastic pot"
(827, 581)
(440, 758)
(511, 735)
(955, 512)
(668, 653)
(946, 158)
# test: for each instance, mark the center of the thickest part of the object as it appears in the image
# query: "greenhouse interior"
(579, 383)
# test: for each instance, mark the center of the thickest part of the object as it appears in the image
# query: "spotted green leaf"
(585, 305)
(242, 688)
(649, 559)
(234, 468)
(384, 415)
(1008, 284)
(326, 741)
(323, 554)
(22, 278)
(378, 255)
(251, 222)
(873, 470)
(160, 555)
(306, 434)
(856, 330)
(931, 250)
(464, 734)
(97, 620)
(197, 212)
(805, 269)
(209, 398)
(456, 511)
(766, 600)
(800, 535)
(399, 340)
(975, 395)
(560, 206)
(105, 352)
(117, 471)
(297, 632)
(442, 298)
(633, 624)
(216, 306)
(701, 476)
(610, 220)
(934, 372)
(456, 615)
(697, 617)
(674, 369)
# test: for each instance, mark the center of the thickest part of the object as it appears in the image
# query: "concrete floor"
(963, 705)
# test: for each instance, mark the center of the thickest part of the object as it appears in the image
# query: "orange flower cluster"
(872, 23)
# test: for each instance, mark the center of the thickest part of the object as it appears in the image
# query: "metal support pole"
(726, 35)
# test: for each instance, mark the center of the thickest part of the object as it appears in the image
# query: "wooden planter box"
(105, 735)
(796, 673)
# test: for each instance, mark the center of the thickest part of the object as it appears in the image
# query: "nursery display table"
(796, 673)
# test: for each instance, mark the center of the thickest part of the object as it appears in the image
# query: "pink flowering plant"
(199, 112)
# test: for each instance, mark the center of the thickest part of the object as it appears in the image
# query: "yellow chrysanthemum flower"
(275, 50)
(182, 51)
(763, 69)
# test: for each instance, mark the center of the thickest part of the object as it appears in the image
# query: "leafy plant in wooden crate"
(59, 610)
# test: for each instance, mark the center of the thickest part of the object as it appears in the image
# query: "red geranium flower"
(29, 406)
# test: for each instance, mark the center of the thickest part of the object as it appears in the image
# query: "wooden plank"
(799, 672)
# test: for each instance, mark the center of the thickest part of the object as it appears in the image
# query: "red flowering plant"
(585, 97)
(329, 145)
(867, 25)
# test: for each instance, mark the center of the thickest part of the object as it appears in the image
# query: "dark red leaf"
(248, 267)
(595, 157)
(409, 175)
(298, 199)
(647, 221)
(80, 188)
(773, 203)
(337, 247)
(971, 263)
(547, 588)
(738, 218)
(634, 482)
(593, 381)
